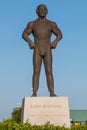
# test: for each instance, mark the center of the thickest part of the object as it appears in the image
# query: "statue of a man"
(42, 30)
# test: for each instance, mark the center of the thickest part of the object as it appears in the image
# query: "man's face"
(42, 11)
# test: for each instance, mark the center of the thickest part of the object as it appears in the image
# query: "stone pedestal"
(40, 110)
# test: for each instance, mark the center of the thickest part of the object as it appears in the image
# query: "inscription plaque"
(40, 110)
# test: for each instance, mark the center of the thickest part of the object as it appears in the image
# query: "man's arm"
(56, 31)
(27, 31)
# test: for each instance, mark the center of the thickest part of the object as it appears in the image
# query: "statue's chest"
(42, 28)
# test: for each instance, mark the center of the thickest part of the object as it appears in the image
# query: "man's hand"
(31, 45)
(53, 45)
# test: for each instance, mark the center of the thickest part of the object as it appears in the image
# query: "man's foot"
(53, 95)
(34, 95)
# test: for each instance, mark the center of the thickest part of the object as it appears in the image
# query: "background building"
(79, 115)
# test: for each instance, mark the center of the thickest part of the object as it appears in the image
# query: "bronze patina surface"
(42, 30)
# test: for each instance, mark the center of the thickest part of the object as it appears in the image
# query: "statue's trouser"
(37, 61)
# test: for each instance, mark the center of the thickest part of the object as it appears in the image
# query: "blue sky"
(69, 58)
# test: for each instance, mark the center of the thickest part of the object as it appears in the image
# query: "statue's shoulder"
(31, 23)
(52, 23)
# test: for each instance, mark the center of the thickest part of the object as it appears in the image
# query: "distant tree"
(16, 114)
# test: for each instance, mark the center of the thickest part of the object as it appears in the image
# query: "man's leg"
(37, 60)
(49, 74)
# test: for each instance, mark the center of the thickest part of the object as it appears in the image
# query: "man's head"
(41, 10)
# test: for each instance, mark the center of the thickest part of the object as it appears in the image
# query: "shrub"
(9, 124)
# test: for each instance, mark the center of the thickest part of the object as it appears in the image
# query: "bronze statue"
(42, 30)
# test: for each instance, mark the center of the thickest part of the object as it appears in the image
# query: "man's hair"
(37, 9)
